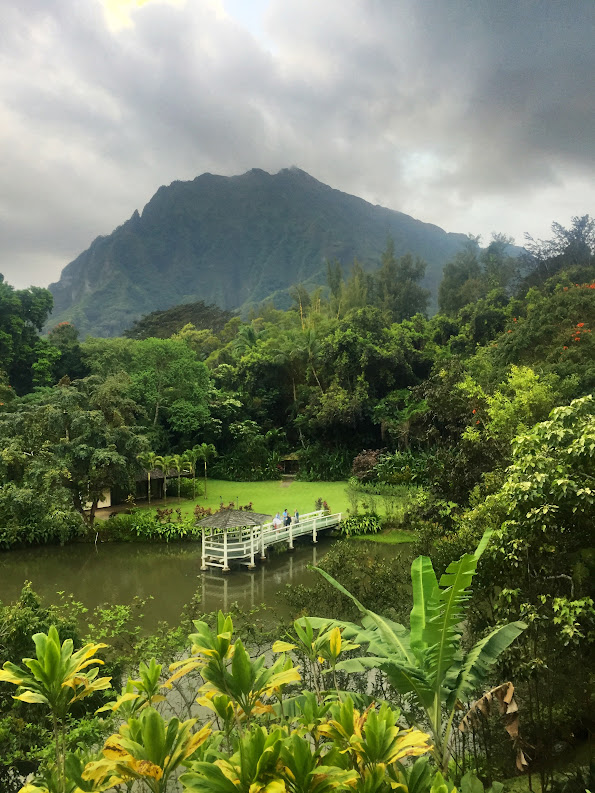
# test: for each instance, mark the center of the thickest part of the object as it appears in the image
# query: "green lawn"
(390, 537)
(266, 497)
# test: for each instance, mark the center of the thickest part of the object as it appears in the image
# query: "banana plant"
(227, 669)
(138, 694)
(426, 661)
(57, 678)
(147, 748)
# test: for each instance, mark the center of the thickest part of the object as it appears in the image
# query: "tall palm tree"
(191, 457)
(246, 339)
(165, 463)
(147, 460)
(205, 451)
(178, 466)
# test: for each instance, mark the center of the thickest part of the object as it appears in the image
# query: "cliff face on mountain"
(234, 241)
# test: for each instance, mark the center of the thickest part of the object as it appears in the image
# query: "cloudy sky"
(476, 115)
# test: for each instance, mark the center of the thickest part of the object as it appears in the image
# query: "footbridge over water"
(245, 545)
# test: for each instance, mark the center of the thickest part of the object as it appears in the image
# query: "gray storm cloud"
(476, 116)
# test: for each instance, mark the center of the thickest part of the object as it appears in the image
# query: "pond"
(114, 573)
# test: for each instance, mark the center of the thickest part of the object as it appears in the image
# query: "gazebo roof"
(234, 519)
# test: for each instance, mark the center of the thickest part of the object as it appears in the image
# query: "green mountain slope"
(233, 241)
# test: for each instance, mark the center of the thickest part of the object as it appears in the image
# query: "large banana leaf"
(425, 591)
(478, 660)
(444, 614)
(394, 638)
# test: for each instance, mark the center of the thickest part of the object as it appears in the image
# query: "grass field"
(266, 497)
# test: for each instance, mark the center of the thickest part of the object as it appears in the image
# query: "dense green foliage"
(479, 418)
(280, 720)
(234, 242)
(163, 324)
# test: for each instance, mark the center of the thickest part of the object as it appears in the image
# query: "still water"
(114, 573)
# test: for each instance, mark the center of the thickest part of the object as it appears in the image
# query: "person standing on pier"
(296, 516)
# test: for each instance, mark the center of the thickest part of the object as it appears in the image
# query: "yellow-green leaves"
(57, 676)
(137, 694)
(283, 647)
(147, 748)
(228, 671)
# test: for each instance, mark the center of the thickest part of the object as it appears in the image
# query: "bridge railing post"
(262, 553)
(251, 565)
(291, 537)
(225, 562)
(204, 551)
(314, 535)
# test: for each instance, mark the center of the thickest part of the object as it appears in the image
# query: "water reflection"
(170, 574)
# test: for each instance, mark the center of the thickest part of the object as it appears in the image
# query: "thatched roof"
(234, 519)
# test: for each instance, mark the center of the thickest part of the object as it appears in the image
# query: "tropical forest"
(440, 639)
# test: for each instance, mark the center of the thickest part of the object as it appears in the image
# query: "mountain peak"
(234, 241)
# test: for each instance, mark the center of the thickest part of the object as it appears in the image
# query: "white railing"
(221, 547)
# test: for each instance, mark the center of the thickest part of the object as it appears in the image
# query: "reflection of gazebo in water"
(233, 535)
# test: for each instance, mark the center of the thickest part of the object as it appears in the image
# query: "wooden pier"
(245, 545)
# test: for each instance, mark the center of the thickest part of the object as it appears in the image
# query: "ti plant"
(359, 751)
(426, 663)
(147, 748)
(234, 684)
(138, 694)
(57, 678)
(326, 647)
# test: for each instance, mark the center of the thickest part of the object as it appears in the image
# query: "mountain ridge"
(234, 241)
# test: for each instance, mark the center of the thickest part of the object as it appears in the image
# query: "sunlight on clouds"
(118, 13)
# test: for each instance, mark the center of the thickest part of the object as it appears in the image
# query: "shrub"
(320, 464)
(360, 524)
(402, 468)
(162, 525)
(365, 463)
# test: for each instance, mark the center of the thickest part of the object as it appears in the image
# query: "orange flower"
(514, 319)
(509, 331)
(473, 411)
(580, 324)
(564, 348)
(477, 422)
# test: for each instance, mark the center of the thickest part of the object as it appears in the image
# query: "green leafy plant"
(360, 524)
(57, 678)
(427, 661)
